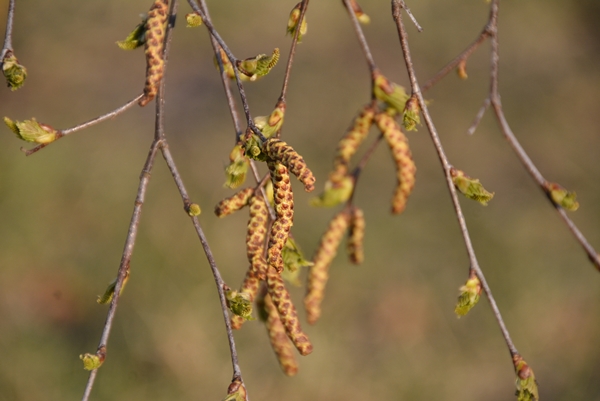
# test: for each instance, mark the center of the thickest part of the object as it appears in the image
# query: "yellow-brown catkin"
(287, 312)
(349, 144)
(284, 210)
(256, 235)
(405, 167)
(279, 340)
(234, 203)
(318, 273)
(356, 236)
(154, 46)
(250, 287)
(279, 151)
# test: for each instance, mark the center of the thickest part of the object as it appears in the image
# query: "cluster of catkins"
(264, 283)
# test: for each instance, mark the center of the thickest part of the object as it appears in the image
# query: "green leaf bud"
(14, 72)
(561, 197)
(470, 187)
(32, 131)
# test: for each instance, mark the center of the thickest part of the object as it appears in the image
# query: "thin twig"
(86, 124)
(288, 67)
(207, 21)
(139, 202)
(361, 38)
(462, 57)
(411, 16)
(479, 116)
(474, 264)
(7, 47)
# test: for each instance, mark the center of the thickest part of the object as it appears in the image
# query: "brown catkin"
(284, 210)
(249, 287)
(356, 236)
(154, 46)
(234, 203)
(287, 312)
(318, 274)
(405, 166)
(279, 339)
(256, 235)
(348, 145)
(279, 151)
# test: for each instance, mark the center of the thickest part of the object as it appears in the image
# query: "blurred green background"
(388, 329)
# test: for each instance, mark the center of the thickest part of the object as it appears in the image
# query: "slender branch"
(139, 202)
(462, 57)
(8, 47)
(288, 67)
(361, 38)
(126, 257)
(516, 146)
(397, 6)
(479, 116)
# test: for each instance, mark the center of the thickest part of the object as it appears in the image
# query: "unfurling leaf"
(93, 361)
(389, 92)
(136, 38)
(293, 261)
(32, 131)
(236, 391)
(107, 297)
(469, 295)
(237, 168)
(292, 25)
(14, 72)
(527, 389)
(334, 193)
(470, 187)
(411, 116)
(271, 124)
(193, 20)
(561, 197)
(358, 12)
(227, 66)
(258, 66)
(194, 210)
(239, 303)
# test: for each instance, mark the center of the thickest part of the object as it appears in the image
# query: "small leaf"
(292, 25)
(470, 187)
(107, 297)
(136, 38)
(194, 210)
(293, 261)
(527, 389)
(258, 66)
(239, 303)
(271, 124)
(32, 131)
(389, 92)
(334, 193)
(14, 72)
(93, 361)
(561, 197)
(411, 116)
(469, 295)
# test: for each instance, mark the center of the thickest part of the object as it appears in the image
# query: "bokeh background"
(388, 329)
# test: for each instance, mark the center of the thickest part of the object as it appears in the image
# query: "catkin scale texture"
(284, 210)
(283, 153)
(318, 274)
(405, 166)
(279, 339)
(287, 312)
(154, 46)
(234, 202)
(256, 235)
(349, 144)
(356, 236)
